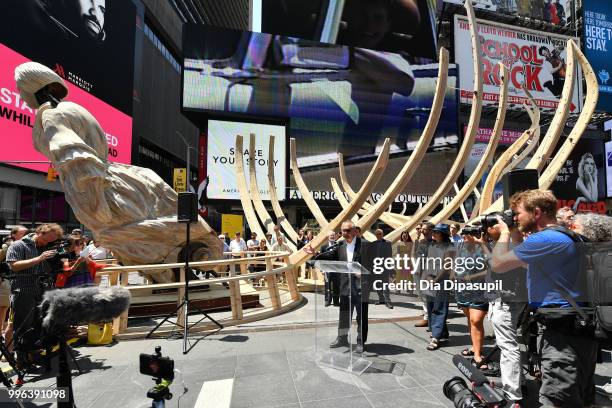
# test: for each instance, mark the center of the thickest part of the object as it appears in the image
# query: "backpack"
(596, 269)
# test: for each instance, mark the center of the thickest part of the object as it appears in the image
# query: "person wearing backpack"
(568, 346)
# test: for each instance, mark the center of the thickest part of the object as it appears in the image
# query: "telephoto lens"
(457, 391)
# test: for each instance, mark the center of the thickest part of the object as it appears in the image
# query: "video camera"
(488, 221)
(162, 370)
(482, 394)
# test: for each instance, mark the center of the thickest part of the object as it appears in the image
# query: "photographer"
(27, 260)
(568, 348)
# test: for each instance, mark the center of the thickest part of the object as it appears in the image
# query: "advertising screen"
(90, 44)
(396, 26)
(337, 98)
(598, 44)
(222, 155)
(609, 169)
(533, 58)
(580, 184)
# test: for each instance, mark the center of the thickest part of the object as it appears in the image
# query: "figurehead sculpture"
(130, 209)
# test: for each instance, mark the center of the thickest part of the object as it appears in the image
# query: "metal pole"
(188, 158)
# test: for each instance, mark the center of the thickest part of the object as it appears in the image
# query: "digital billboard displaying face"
(90, 44)
(337, 98)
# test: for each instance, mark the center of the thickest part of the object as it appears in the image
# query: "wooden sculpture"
(243, 190)
(129, 209)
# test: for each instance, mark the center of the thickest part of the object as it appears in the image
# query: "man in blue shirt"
(552, 262)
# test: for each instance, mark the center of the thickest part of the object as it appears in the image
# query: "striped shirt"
(27, 279)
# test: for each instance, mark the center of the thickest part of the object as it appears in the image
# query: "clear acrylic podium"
(347, 278)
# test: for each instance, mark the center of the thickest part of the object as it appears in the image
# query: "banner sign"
(609, 169)
(221, 158)
(506, 138)
(231, 224)
(598, 45)
(179, 181)
(533, 58)
(580, 184)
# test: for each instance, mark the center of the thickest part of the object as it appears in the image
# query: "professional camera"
(473, 230)
(483, 395)
(162, 370)
(489, 220)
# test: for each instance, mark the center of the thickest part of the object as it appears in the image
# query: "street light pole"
(188, 158)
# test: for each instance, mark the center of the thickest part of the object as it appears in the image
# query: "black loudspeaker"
(187, 207)
(519, 180)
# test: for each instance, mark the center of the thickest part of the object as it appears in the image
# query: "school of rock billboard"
(580, 184)
(533, 58)
(90, 44)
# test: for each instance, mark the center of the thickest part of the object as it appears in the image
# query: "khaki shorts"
(5, 294)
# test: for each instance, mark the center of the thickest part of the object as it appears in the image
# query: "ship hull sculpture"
(129, 209)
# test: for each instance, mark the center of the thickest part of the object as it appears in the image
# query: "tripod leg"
(165, 320)
(64, 377)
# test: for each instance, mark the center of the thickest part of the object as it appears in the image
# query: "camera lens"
(457, 391)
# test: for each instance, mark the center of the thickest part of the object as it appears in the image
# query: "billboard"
(17, 119)
(395, 26)
(536, 59)
(555, 12)
(598, 43)
(580, 184)
(222, 155)
(337, 98)
(88, 43)
(609, 169)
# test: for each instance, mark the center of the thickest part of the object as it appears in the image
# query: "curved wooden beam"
(590, 102)
(343, 201)
(301, 256)
(245, 198)
(538, 161)
(488, 155)
(306, 194)
(278, 211)
(468, 140)
(486, 195)
(260, 208)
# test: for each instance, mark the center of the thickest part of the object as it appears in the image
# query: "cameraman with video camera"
(568, 347)
(28, 259)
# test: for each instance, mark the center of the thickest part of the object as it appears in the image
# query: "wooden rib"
(245, 198)
(592, 95)
(590, 103)
(306, 194)
(486, 195)
(538, 161)
(301, 256)
(278, 211)
(406, 173)
(468, 140)
(260, 208)
(342, 199)
(488, 155)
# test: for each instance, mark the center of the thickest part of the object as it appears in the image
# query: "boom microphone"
(73, 306)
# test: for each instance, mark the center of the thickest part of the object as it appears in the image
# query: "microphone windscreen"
(73, 306)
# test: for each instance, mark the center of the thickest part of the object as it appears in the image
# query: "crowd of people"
(41, 259)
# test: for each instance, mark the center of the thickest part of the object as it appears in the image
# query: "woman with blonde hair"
(587, 181)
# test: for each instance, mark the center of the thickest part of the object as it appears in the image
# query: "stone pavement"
(273, 364)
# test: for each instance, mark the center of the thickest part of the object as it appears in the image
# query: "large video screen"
(337, 98)
(90, 44)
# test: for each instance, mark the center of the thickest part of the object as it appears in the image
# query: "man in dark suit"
(383, 250)
(332, 283)
(351, 288)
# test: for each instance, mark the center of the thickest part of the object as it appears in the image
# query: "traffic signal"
(51, 174)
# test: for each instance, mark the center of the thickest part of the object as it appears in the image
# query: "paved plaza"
(274, 363)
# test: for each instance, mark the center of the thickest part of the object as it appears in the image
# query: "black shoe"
(389, 305)
(379, 302)
(339, 342)
(327, 303)
(358, 348)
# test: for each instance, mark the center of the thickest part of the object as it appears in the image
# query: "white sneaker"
(605, 390)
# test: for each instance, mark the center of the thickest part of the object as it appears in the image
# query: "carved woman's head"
(32, 78)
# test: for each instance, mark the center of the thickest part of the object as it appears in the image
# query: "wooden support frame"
(278, 211)
(260, 208)
(501, 165)
(245, 198)
(377, 171)
(476, 176)
(468, 140)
